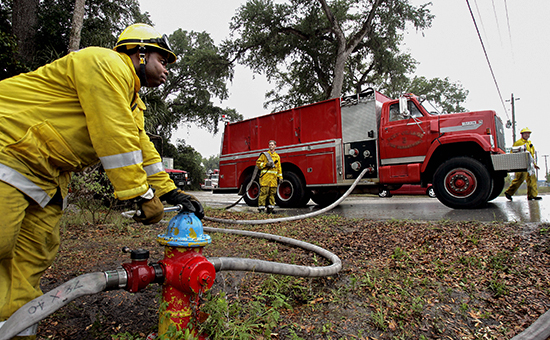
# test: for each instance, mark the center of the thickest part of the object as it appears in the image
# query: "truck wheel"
(290, 193)
(498, 186)
(305, 198)
(462, 183)
(324, 199)
(253, 194)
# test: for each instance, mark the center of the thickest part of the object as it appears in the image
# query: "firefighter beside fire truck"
(326, 145)
(271, 175)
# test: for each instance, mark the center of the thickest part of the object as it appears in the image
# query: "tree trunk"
(344, 47)
(24, 23)
(339, 68)
(78, 19)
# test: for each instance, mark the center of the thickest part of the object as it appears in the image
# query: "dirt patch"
(400, 279)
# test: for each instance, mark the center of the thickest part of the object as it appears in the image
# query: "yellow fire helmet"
(525, 130)
(142, 35)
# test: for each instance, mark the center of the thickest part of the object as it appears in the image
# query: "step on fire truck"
(326, 145)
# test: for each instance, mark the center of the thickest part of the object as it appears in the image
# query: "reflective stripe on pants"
(29, 240)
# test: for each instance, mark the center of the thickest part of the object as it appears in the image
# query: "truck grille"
(501, 142)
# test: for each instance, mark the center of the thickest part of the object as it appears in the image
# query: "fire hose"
(290, 218)
(92, 283)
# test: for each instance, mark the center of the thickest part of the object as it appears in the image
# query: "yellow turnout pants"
(532, 190)
(29, 240)
(267, 197)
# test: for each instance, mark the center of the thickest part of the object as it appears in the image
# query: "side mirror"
(403, 107)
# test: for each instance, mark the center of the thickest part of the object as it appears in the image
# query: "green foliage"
(92, 192)
(303, 46)
(104, 20)
(241, 319)
(125, 336)
(448, 96)
(498, 287)
(188, 159)
(198, 76)
(211, 163)
(9, 64)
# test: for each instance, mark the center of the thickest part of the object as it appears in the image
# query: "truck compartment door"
(228, 178)
(320, 168)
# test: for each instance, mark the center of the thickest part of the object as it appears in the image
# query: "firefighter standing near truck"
(271, 175)
(532, 191)
(61, 118)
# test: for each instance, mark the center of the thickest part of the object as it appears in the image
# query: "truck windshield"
(434, 111)
(395, 115)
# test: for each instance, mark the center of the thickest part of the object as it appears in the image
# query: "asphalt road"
(417, 208)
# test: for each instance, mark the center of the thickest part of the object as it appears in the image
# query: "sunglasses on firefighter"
(162, 42)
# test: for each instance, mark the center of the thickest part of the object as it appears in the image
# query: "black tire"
(431, 192)
(462, 183)
(306, 198)
(291, 192)
(324, 199)
(498, 186)
(252, 195)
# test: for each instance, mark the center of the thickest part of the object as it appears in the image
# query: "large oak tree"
(319, 49)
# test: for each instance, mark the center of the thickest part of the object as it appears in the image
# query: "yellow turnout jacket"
(70, 114)
(528, 146)
(268, 176)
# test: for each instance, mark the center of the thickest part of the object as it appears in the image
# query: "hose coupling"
(116, 279)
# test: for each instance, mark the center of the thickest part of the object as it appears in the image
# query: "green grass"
(400, 279)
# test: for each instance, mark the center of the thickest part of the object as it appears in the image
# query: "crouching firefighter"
(271, 175)
(81, 109)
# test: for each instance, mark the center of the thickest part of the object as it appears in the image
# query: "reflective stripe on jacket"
(68, 115)
(268, 176)
(528, 146)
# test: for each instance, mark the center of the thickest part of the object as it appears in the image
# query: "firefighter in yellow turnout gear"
(79, 110)
(271, 175)
(531, 178)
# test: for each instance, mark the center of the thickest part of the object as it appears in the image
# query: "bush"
(92, 192)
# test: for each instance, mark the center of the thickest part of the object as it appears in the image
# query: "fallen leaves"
(436, 280)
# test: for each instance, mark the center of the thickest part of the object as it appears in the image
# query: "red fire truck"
(326, 145)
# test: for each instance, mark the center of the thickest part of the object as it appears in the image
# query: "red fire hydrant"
(184, 273)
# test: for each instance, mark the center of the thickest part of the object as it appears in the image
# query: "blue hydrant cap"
(184, 230)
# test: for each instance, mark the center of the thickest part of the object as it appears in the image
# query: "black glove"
(270, 165)
(199, 211)
(188, 202)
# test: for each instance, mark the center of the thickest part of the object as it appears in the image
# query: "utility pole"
(546, 165)
(512, 101)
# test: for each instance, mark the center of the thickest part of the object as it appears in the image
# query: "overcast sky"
(515, 34)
